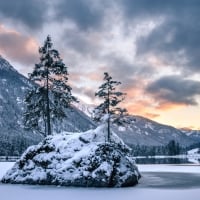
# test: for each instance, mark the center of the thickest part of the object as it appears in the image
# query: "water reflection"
(167, 160)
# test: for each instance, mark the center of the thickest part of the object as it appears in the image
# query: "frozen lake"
(157, 182)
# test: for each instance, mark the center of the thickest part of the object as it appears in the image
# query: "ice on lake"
(179, 182)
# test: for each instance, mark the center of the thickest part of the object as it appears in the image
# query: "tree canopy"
(108, 110)
(51, 94)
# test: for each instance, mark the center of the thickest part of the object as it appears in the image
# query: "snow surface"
(24, 192)
(4, 167)
(17, 192)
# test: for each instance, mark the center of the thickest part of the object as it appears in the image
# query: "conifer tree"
(51, 94)
(111, 98)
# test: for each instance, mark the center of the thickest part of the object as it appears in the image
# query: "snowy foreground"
(76, 159)
(148, 188)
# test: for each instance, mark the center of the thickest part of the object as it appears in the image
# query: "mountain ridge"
(144, 131)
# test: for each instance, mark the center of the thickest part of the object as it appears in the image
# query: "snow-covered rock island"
(76, 159)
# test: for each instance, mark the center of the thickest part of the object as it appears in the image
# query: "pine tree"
(108, 109)
(51, 94)
(173, 148)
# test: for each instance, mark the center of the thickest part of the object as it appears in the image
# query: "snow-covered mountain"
(143, 131)
(85, 108)
(195, 134)
(13, 138)
(12, 89)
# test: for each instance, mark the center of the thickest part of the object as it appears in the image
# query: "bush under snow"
(76, 159)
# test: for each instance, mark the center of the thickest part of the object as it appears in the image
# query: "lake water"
(169, 160)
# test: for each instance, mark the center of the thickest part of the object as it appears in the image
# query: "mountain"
(13, 138)
(12, 89)
(85, 108)
(143, 131)
(195, 134)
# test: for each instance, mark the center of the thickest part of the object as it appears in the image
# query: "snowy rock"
(76, 159)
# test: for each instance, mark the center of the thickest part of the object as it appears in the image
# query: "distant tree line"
(172, 148)
(15, 145)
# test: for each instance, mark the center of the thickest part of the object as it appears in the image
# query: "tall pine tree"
(51, 94)
(108, 109)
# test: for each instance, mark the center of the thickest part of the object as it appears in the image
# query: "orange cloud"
(189, 128)
(138, 102)
(137, 107)
(169, 106)
(17, 47)
(151, 115)
(3, 29)
(31, 45)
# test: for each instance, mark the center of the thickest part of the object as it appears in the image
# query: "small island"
(76, 159)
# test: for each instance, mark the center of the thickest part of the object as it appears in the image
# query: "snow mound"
(76, 159)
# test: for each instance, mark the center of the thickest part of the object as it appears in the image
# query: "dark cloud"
(118, 66)
(174, 89)
(128, 73)
(176, 40)
(145, 8)
(32, 13)
(176, 43)
(85, 13)
(82, 43)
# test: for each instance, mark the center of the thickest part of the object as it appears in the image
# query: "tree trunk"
(109, 127)
(108, 111)
(48, 109)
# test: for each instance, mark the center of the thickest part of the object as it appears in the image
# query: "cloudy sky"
(151, 46)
